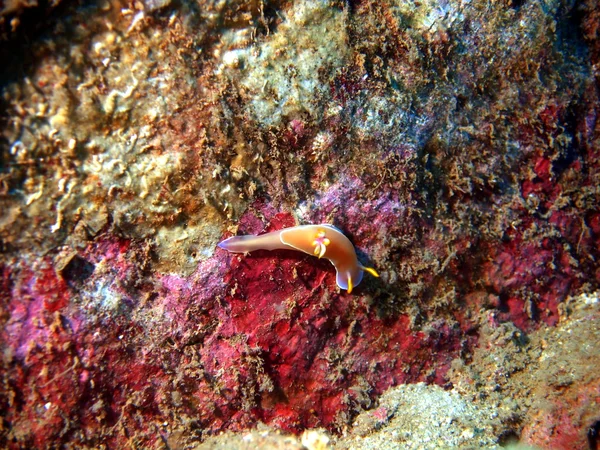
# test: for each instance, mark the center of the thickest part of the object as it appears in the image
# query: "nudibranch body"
(323, 241)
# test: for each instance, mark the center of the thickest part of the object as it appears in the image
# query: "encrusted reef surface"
(455, 142)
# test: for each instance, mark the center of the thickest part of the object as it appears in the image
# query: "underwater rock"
(456, 144)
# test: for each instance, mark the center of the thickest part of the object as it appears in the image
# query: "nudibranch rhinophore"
(323, 241)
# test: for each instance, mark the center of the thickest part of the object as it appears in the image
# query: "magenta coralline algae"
(456, 145)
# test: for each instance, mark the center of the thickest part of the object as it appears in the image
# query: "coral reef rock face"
(455, 143)
(424, 417)
(286, 75)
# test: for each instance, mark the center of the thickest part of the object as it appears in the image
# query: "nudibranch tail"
(322, 241)
(251, 242)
